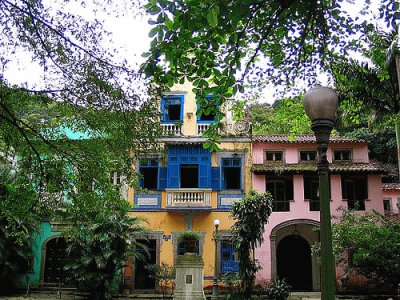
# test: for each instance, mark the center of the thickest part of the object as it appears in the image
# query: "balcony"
(171, 129)
(201, 128)
(188, 199)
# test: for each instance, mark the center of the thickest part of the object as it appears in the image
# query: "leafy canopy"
(224, 46)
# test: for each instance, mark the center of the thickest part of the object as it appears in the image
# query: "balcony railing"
(171, 129)
(188, 198)
(201, 128)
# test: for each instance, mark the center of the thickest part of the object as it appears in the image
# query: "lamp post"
(215, 282)
(320, 104)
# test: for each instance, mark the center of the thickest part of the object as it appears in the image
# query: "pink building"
(287, 169)
(391, 198)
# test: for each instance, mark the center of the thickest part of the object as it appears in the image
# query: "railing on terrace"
(201, 128)
(188, 198)
(171, 129)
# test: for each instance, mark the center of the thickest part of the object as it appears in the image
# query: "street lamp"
(320, 104)
(215, 282)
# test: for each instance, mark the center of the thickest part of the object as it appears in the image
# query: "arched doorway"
(55, 257)
(294, 262)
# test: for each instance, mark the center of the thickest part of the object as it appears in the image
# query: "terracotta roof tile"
(301, 138)
(391, 186)
(304, 168)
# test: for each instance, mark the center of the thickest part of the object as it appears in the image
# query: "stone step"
(305, 295)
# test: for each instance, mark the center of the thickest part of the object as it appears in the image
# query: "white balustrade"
(172, 129)
(186, 198)
(201, 128)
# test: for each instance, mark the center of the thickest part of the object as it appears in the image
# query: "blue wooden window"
(231, 173)
(216, 178)
(228, 262)
(172, 108)
(162, 178)
(207, 115)
(148, 169)
(189, 167)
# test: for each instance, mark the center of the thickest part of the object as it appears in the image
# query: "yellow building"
(185, 186)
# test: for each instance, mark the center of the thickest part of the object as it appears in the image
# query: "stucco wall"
(39, 240)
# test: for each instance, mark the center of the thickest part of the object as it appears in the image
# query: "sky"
(130, 36)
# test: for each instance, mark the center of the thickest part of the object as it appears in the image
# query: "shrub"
(278, 290)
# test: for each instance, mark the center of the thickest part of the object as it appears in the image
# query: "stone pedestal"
(189, 277)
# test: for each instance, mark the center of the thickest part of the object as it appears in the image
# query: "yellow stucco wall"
(168, 222)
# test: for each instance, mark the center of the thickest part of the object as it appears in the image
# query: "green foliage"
(284, 117)
(164, 276)
(381, 143)
(278, 290)
(99, 243)
(232, 281)
(372, 241)
(224, 46)
(18, 221)
(188, 235)
(250, 215)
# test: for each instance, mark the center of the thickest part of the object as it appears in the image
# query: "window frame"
(312, 202)
(198, 118)
(232, 255)
(351, 203)
(148, 165)
(164, 103)
(231, 165)
(286, 200)
(308, 152)
(274, 152)
(389, 201)
(350, 151)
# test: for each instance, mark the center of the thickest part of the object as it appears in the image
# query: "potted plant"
(188, 240)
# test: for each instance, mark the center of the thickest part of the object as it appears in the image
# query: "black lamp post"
(215, 282)
(320, 104)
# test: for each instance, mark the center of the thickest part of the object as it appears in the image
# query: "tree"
(286, 116)
(82, 75)
(372, 241)
(17, 222)
(100, 244)
(250, 215)
(223, 46)
(373, 85)
(85, 90)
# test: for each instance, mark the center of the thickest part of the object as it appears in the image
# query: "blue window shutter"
(141, 183)
(216, 178)
(204, 176)
(164, 114)
(162, 178)
(173, 176)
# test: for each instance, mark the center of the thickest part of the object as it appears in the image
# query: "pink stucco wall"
(394, 197)
(299, 208)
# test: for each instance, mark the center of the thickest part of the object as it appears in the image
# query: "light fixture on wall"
(166, 237)
(189, 114)
(295, 232)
